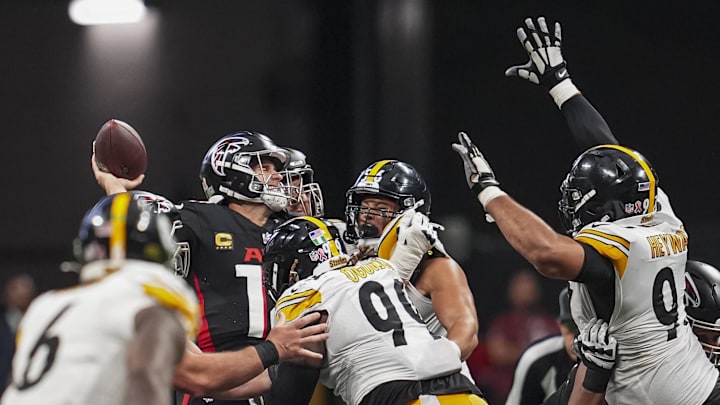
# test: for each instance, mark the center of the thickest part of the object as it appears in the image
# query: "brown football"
(120, 150)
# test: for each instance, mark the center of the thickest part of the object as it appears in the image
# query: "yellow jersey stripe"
(293, 311)
(118, 225)
(173, 300)
(644, 165)
(388, 243)
(300, 295)
(613, 238)
(618, 258)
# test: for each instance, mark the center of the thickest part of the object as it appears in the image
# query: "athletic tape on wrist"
(563, 91)
(489, 194)
(268, 353)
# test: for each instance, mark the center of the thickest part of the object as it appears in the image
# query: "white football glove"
(406, 239)
(598, 350)
(597, 347)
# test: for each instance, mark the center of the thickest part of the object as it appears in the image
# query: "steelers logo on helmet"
(607, 183)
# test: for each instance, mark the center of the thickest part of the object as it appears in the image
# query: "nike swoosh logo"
(561, 74)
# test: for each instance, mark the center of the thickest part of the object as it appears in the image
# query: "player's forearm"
(206, 373)
(552, 254)
(464, 333)
(580, 395)
(253, 388)
(587, 126)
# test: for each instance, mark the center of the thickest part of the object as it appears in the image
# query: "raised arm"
(547, 67)
(202, 374)
(155, 350)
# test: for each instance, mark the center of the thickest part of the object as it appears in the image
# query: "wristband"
(268, 353)
(563, 91)
(596, 380)
(488, 194)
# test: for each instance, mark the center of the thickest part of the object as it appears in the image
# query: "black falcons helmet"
(296, 247)
(390, 178)
(301, 182)
(121, 227)
(227, 169)
(607, 183)
(702, 304)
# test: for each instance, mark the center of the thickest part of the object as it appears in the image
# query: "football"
(120, 150)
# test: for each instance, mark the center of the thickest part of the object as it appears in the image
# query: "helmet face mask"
(298, 248)
(606, 183)
(702, 305)
(237, 168)
(124, 226)
(396, 181)
(305, 195)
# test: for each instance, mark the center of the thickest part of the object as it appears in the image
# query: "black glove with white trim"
(546, 66)
(478, 174)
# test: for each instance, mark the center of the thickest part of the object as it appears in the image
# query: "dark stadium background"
(351, 82)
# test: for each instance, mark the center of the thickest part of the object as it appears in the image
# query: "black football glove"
(546, 65)
(598, 350)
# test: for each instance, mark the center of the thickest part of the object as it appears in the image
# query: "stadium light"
(96, 12)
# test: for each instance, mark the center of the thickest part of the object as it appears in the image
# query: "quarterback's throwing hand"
(546, 65)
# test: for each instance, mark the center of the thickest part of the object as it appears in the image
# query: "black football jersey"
(225, 261)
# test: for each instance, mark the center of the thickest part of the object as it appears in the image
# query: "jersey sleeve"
(607, 244)
(587, 126)
(175, 295)
(297, 302)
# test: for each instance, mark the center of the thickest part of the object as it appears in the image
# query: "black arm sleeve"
(292, 384)
(587, 126)
(596, 269)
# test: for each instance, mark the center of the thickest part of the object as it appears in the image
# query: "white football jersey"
(425, 308)
(376, 335)
(660, 359)
(72, 343)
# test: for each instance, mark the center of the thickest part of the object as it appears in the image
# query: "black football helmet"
(389, 178)
(227, 170)
(297, 247)
(121, 227)
(702, 304)
(161, 205)
(607, 183)
(301, 182)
